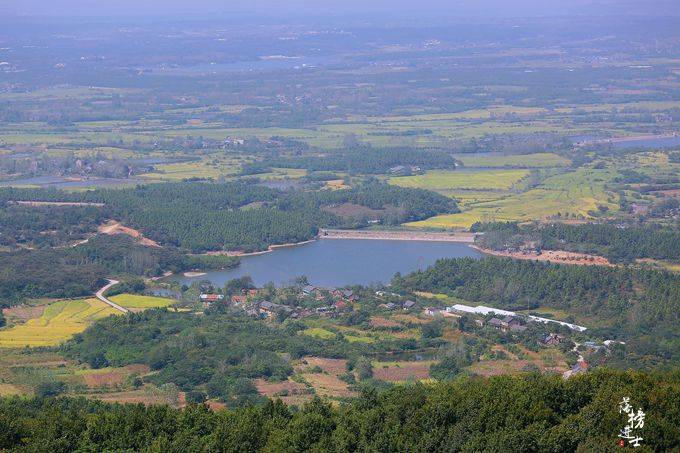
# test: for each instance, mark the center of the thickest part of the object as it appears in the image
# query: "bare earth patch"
(514, 364)
(114, 377)
(328, 385)
(23, 313)
(112, 227)
(271, 389)
(144, 396)
(552, 256)
(378, 321)
(328, 382)
(332, 366)
(413, 319)
(403, 371)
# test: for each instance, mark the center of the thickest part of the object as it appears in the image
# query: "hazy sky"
(321, 7)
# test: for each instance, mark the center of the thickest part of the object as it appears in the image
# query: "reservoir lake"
(339, 262)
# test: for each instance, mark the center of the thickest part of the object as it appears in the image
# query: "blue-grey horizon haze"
(75, 8)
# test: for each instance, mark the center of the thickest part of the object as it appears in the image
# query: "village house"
(239, 300)
(408, 305)
(580, 367)
(496, 324)
(388, 306)
(270, 310)
(552, 339)
(592, 346)
(308, 290)
(209, 299)
(385, 293)
(346, 294)
(507, 324)
(433, 311)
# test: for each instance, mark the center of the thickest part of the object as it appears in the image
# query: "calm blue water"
(340, 262)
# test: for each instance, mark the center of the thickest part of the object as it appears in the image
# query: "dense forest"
(618, 243)
(81, 270)
(47, 226)
(522, 413)
(640, 307)
(359, 160)
(243, 215)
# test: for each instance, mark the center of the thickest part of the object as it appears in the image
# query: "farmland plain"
(577, 194)
(446, 181)
(137, 301)
(59, 322)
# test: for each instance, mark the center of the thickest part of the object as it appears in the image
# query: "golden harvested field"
(137, 301)
(9, 390)
(442, 180)
(59, 322)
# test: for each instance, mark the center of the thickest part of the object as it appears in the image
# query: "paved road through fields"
(100, 296)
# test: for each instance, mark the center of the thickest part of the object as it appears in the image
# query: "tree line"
(362, 159)
(243, 215)
(529, 413)
(616, 242)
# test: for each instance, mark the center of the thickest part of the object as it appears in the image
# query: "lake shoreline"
(337, 263)
(271, 248)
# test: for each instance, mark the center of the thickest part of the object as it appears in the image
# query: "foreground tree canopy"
(523, 413)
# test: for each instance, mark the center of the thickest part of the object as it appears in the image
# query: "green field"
(446, 181)
(205, 168)
(137, 301)
(575, 193)
(318, 332)
(59, 322)
(379, 131)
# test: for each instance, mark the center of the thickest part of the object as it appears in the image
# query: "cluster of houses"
(507, 324)
(334, 300)
(407, 305)
(497, 313)
(403, 170)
